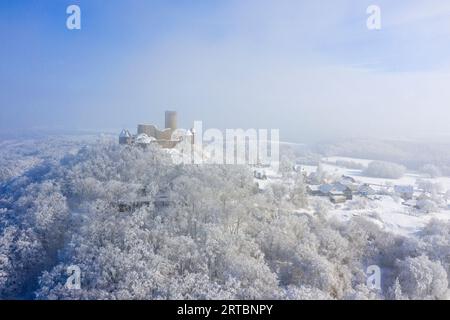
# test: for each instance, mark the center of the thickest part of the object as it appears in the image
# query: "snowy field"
(409, 178)
(390, 215)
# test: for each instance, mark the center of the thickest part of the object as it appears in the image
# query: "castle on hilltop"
(167, 138)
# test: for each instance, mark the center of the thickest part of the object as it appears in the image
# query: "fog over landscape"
(109, 191)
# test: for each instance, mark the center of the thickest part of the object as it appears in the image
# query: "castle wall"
(148, 129)
(163, 137)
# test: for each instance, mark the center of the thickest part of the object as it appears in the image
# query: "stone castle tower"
(171, 120)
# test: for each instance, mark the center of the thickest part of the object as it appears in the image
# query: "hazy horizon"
(312, 70)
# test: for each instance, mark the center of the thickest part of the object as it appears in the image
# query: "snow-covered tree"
(421, 278)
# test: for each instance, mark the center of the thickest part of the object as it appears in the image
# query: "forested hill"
(216, 236)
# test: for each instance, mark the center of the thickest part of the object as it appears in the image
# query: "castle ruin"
(167, 138)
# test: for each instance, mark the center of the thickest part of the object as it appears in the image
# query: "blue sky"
(310, 68)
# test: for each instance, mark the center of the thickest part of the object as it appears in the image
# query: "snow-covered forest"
(140, 227)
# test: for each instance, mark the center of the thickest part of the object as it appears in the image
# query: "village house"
(337, 192)
(347, 179)
(313, 190)
(366, 190)
(405, 192)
